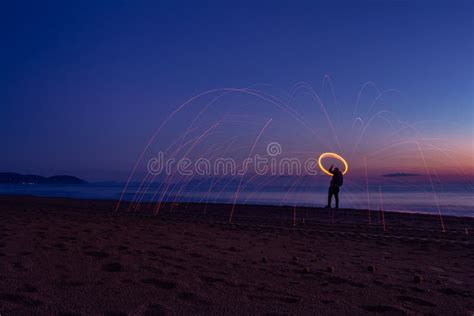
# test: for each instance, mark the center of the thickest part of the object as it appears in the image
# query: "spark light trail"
(369, 142)
(332, 155)
(241, 177)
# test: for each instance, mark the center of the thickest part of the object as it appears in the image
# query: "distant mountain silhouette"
(401, 174)
(16, 178)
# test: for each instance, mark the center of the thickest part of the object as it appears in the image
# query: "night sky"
(86, 83)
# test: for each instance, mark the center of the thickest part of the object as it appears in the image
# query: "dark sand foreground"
(71, 257)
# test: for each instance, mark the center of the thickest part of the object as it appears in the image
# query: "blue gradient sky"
(85, 83)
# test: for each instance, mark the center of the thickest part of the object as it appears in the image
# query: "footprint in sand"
(416, 301)
(210, 279)
(115, 313)
(384, 309)
(451, 292)
(162, 284)
(112, 267)
(186, 296)
(27, 288)
(155, 310)
(19, 299)
(97, 254)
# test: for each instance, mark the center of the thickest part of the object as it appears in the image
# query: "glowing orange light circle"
(332, 155)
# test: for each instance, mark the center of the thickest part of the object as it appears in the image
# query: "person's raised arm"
(330, 169)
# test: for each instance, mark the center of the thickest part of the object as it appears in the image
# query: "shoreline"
(283, 206)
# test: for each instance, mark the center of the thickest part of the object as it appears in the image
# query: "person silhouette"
(336, 182)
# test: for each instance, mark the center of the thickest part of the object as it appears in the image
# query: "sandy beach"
(79, 257)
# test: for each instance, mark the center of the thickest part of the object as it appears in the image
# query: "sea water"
(452, 199)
